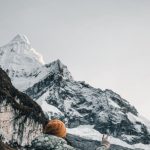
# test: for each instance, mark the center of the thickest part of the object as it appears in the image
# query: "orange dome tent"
(55, 127)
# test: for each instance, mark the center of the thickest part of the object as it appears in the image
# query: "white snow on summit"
(19, 57)
(24, 65)
(20, 38)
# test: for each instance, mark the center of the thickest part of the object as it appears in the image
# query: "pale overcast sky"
(104, 42)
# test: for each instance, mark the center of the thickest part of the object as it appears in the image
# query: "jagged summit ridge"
(59, 69)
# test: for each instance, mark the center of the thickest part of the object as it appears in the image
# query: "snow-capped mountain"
(76, 102)
(18, 57)
(82, 104)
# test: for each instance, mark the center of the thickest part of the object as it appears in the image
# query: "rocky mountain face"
(76, 102)
(81, 104)
(21, 119)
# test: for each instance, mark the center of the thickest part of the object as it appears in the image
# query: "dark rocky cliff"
(21, 119)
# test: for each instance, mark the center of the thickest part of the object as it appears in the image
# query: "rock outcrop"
(50, 142)
(21, 119)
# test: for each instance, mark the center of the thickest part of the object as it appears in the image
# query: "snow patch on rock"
(87, 131)
(49, 110)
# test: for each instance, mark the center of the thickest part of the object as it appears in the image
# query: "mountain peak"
(59, 64)
(58, 68)
(18, 44)
(20, 38)
(18, 55)
(56, 64)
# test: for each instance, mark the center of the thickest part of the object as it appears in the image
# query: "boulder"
(49, 142)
